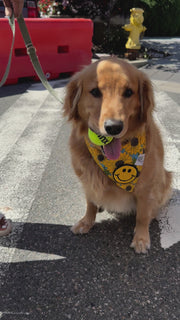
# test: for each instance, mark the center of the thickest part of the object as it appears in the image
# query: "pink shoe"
(5, 225)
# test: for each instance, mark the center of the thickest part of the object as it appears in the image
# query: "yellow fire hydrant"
(135, 28)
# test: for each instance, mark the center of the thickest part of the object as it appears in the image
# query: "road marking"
(22, 168)
(14, 121)
(14, 255)
(4, 313)
(169, 216)
(29, 129)
(169, 86)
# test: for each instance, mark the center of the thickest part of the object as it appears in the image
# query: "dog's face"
(111, 97)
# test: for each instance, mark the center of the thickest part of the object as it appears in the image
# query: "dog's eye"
(128, 93)
(96, 93)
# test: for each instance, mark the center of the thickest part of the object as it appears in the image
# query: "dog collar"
(125, 170)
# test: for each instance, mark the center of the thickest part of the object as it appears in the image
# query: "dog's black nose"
(113, 127)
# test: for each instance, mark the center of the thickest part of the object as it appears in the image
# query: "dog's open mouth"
(110, 146)
(112, 150)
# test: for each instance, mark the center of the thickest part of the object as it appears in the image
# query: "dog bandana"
(125, 170)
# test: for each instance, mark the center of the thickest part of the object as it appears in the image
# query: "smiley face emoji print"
(125, 174)
(124, 171)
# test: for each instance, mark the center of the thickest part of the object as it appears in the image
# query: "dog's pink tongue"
(112, 150)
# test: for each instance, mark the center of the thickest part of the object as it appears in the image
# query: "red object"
(32, 9)
(62, 46)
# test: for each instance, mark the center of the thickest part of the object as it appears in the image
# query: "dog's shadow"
(116, 233)
(95, 268)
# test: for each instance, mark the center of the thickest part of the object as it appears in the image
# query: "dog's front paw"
(141, 243)
(82, 227)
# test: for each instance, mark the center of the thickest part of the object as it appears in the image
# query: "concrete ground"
(46, 272)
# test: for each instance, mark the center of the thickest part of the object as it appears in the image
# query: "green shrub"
(161, 17)
(114, 40)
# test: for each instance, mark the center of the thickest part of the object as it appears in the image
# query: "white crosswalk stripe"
(169, 217)
(26, 154)
(18, 116)
(8, 255)
(28, 130)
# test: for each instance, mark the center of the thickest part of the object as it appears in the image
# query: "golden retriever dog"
(114, 101)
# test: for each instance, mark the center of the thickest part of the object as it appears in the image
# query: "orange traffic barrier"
(62, 46)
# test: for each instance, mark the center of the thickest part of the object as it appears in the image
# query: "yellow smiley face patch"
(125, 170)
(125, 174)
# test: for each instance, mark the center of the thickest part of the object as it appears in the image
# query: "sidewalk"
(165, 72)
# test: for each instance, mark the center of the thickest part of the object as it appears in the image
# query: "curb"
(137, 63)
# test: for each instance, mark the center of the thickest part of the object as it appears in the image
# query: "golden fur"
(112, 77)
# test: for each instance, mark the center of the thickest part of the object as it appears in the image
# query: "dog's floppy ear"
(73, 93)
(146, 97)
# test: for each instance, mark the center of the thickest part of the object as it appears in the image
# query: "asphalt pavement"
(46, 272)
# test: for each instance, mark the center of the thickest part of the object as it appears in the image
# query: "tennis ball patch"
(98, 139)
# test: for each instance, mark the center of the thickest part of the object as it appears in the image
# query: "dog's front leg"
(87, 222)
(141, 240)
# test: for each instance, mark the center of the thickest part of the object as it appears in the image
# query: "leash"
(12, 26)
(31, 51)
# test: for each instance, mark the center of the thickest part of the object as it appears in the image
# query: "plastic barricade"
(62, 46)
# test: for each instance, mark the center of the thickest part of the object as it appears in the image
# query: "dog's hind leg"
(87, 222)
